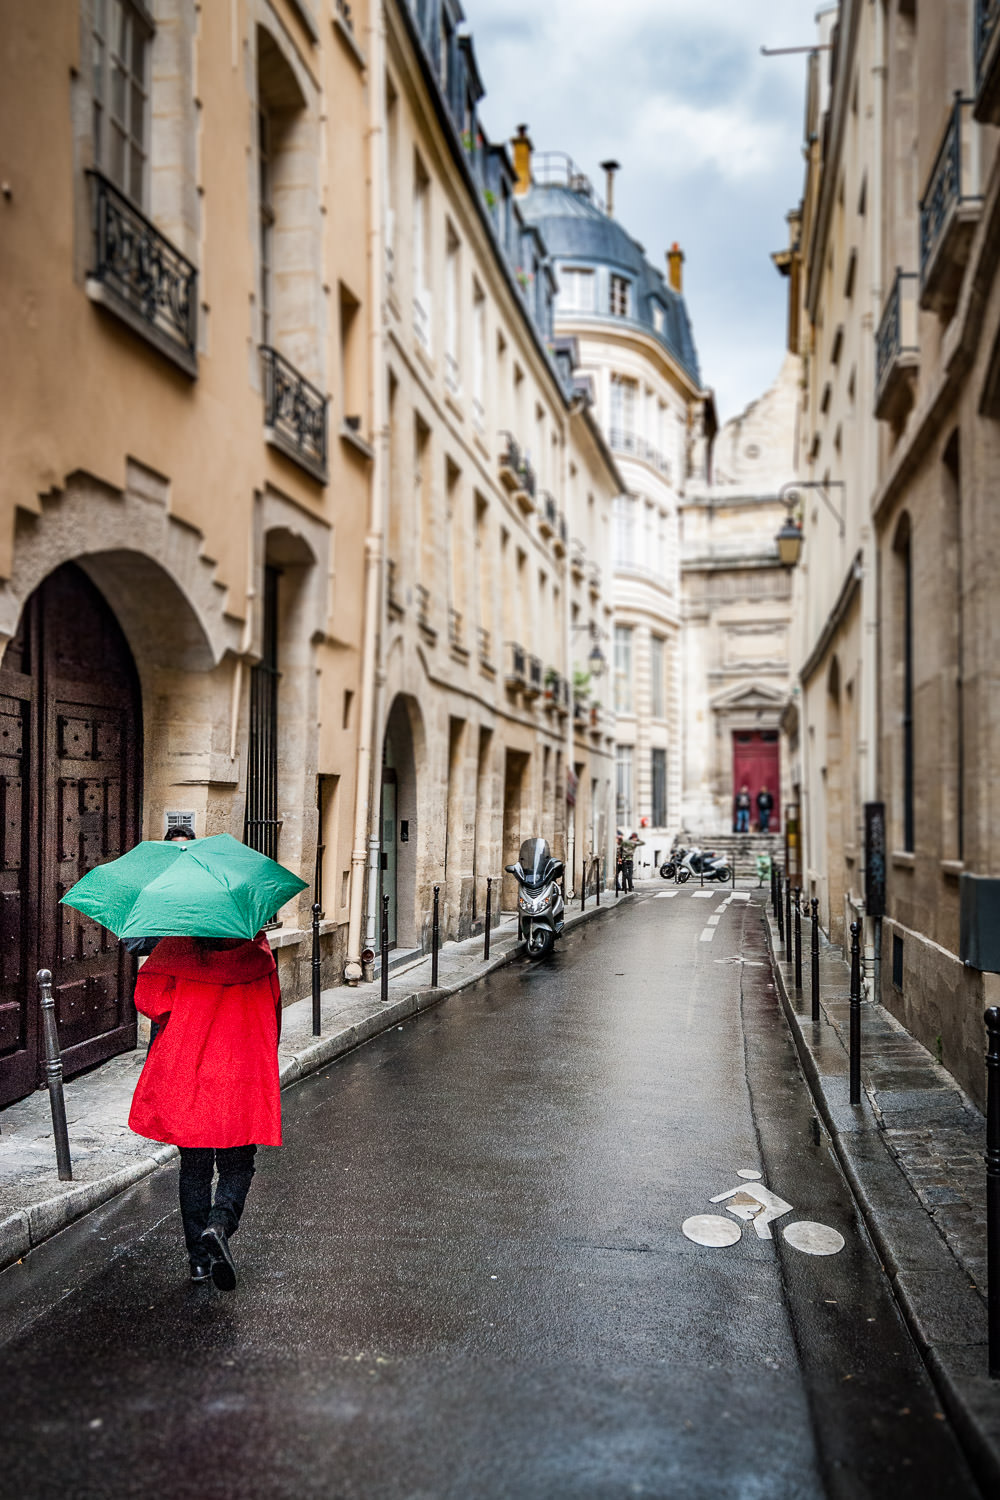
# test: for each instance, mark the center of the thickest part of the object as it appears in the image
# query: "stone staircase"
(743, 848)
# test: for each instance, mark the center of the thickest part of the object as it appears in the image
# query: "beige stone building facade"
(497, 490)
(186, 464)
(897, 628)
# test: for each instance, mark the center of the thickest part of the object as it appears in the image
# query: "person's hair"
(179, 831)
(206, 946)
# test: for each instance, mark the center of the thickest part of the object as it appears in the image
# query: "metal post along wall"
(798, 938)
(54, 1076)
(815, 958)
(435, 934)
(489, 915)
(316, 1019)
(855, 1014)
(992, 1019)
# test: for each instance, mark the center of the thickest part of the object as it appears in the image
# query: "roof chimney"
(522, 160)
(675, 260)
(609, 168)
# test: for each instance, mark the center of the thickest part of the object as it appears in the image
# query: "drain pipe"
(364, 851)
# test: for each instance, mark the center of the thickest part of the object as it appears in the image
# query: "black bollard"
(815, 958)
(489, 915)
(788, 919)
(798, 938)
(855, 1014)
(385, 949)
(435, 934)
(317, 1024)
(779, 906)
(583, 886)
(54, 1076)
(992, 1159)
(597, 863)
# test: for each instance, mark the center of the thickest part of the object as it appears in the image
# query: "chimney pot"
(609, 168)
(675, 262)
(522, 160)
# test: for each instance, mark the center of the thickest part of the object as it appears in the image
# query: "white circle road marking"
(711, 1230)
(749, 1173)
(814, 1239)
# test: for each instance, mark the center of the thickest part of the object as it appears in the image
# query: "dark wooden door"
(70, 689)
(756, 761)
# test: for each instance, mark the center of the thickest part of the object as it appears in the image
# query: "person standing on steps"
(765, 803)
(742, 810)
(210, 1081)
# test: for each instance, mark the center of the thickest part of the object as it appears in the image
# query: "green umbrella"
(214, 887)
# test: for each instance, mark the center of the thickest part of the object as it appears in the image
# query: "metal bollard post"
(385, 949)
(798, 938)
(779, 906)
(583, 886)
(815, 958)
(54, 1076)
(772, 888)
(855, 1014)
(317, 1023)
(597, 862)
(489, 915)
(992, 1159)
(435, 934)
(788, 919)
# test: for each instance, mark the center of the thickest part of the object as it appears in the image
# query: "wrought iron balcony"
(949, 211)
(142, 278)
(533, 684)
(517, 665)
(577, 557)
(294, 414)
(516, 471)
(622, 441)
(485, 658)
(548, 516)
(897, 355)
(986, 48)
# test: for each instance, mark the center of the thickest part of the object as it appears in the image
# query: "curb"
(929, 1286)
(26, 1229)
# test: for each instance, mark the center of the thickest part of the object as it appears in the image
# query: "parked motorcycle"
(540, 904)
(705, 863)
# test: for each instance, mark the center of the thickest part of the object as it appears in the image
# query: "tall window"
(261, 824)
(452, 335)
(623, 669)
(905, 563)
(623, 402)
(657, 667)
(266, 196)
(659, 780)
(478, 358)
(623, 786)
(576, 290)
(421, 249)
(620, 297)
(121, 43)
(624, 513)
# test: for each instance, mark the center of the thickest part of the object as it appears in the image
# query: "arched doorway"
(399, 825)
(70, 791)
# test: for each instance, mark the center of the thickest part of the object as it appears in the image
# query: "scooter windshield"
(534, 860)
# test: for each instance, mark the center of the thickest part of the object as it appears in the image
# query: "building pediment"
(748, 695)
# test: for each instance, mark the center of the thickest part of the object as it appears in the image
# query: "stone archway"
(402, 757)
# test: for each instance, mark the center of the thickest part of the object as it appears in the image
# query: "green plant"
(491, 197)
(581, 683)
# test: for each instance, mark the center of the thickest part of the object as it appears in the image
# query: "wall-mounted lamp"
(596, 659)
(789, 538)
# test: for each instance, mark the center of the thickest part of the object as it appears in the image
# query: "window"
(121, 41)
(576, 290)
(658, 694)
(478, 358)
(621, 297)
(421, 247)
(624, 530)
(904, 621)
(623, 403)
(452, 331)
(266, 195)
(623, 786)
(659, 789)
(623, 669)
(659, 318)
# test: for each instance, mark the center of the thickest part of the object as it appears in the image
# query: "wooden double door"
(70, 789)
(757, 763)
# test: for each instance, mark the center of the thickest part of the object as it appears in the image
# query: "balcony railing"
(424, 609)
(294, 414)
(986, 48)
(515, 469)
(485, 657)
(622, 441)
(548, 518)
(577, 557)
(455, 638)
(949, 210)
(452, 375)
(139, 275)
(533, 684)
(896, 350)
(517, 665)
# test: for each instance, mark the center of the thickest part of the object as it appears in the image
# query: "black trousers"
(198, 1164)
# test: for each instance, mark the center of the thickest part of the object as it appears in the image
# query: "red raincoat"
(211, 1076)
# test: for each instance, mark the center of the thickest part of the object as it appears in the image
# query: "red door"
(756, 762)
(70, 726)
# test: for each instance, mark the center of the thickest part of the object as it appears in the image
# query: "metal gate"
(70, 787)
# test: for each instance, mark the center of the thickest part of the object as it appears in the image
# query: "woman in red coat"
(210, 1080)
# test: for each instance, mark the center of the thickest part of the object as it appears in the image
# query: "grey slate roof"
(577, 230)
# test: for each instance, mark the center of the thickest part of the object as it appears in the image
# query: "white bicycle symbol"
(752, 1203)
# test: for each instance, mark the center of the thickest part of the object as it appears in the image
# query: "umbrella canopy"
(214, 887)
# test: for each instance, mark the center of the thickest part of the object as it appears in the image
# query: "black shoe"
(201, 1266)
(215, 1243)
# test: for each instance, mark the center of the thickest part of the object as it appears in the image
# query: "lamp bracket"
(788, 491)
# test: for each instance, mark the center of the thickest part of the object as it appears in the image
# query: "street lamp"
(789, 538)
(596, 659)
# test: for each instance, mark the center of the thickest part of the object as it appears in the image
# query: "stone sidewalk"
(107, 1157)
(912, 1152)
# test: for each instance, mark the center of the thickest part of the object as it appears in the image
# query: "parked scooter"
(540, 905)
(704, 863)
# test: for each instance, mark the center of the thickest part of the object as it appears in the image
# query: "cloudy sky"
(708, 133)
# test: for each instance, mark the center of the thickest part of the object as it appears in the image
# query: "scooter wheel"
(683, 875)
(667, 871)
(724, 875)
(540, 941)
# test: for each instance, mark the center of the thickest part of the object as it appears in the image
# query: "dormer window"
(576, 289)
(621, 297)
(659, 318)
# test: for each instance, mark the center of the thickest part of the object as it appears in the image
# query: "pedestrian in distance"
(619, 866)
(765, 803)
(742, 824)
(210, 1081)
(629, 846)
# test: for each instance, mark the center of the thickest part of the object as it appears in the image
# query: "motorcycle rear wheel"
(683, 874)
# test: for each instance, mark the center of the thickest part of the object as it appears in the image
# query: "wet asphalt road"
(464, 1276)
